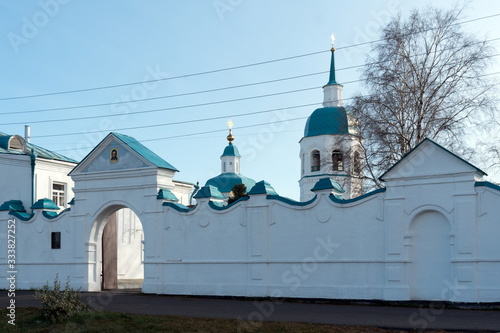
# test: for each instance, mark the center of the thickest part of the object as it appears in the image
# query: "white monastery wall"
(431, 234)
(361, 249)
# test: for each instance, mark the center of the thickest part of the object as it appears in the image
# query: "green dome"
(329, 120)
(225, 181)
(231, 150)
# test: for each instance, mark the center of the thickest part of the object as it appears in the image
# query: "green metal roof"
(13, 205)
(144, 151)
(166, 194)
(4, 141)
(44, 203)
(21, 215)
(177, 206)
(332, 69)
(329, 120)
(337, 199)
(39, 151)
(52, 215)
(290, 201)
(327, 184)
(209, 191)
(262, 187)
(225, 181)
(48, 154)
(231, 150)
(488, 184)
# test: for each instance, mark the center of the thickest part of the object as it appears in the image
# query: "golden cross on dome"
(230, 124)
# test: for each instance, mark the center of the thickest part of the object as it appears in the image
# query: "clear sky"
(51, 46)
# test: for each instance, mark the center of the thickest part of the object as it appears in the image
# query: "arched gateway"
(116, 187)
(118, 238)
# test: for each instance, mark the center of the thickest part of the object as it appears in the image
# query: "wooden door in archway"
(109, 277)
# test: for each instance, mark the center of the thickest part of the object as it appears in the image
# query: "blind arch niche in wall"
(430, 274)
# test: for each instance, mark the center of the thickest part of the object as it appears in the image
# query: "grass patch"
(32, 320)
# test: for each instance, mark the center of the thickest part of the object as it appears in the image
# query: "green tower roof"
(231, 150)
(329, 120)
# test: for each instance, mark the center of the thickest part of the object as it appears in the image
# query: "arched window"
(223, 166)
(315, 161)
(357, 168)
(302, 164)
(337, 162)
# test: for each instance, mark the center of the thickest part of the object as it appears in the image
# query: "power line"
(206, 91)
(199, 133)
(207, 119)
(185, 106)
(164, 109)
(217, 70)
(180, 122)
(171, 96)
(164, 79)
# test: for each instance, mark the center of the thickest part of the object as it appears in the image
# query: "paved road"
(380, 316)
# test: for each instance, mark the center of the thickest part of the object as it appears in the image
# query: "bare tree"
(488, 145)
(426, 79)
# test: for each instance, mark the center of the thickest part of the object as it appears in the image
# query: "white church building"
(118, 219)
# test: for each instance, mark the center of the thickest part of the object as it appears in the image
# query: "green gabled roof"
(39, 151)
(231, 150)
(144, 151)
(225, 181)
(437, 145)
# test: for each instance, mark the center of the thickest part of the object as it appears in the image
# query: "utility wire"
(164, 109)
(168, 96)
(203, 119)
(209, 90)
(185, 106)
(164, 79)
(218, 70)
(180, 122)
(199, 133)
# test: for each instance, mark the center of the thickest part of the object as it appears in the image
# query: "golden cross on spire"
(230, 137)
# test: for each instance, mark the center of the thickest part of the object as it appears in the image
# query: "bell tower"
(331, 146)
